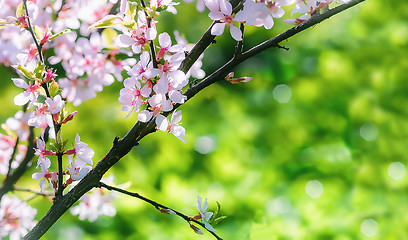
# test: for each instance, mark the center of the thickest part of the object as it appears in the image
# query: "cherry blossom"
(158, 104)
(195, 70)
(82, 153)
(131, 97)
(165, 46)
(30, 93)
(205, 216)
(174, 125)
(76, 172)
(261, 13)
(95, 203)
(222, 10)
(41, 150)
(16, 217)
(140, 37)
(40, 117)
(7, 144)
(45, 174)
(55, 105)
(19, 123)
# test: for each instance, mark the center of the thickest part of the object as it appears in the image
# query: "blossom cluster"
(16, 217)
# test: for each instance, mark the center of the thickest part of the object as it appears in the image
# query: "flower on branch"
(261, 13)
(221, 10)
(205, 216)
(55, 105)
(45, 174)
(82, 153)
(30, 93)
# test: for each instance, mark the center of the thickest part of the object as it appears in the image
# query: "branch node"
(116, 140)
(283, 47)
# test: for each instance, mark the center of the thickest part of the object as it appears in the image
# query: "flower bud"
(54, 88)
(69, 117)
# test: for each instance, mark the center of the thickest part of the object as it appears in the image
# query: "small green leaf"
(218, 219)
(20, 10)
(24, 71)
(107, 21)
(60, 33)
(109, 35)
(39, 70)
(39, 32)
(41, 99)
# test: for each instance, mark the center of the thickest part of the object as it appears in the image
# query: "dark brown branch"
(12, 156)
(140, 130)
(157, 205)
(13, 178)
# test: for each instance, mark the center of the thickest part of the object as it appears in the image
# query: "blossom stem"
(240, 44)
(60, 177)
(30, 29)
(156, 205)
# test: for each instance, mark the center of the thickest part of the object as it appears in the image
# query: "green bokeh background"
(345, 73)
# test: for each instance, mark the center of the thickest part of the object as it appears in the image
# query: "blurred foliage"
(345, 73)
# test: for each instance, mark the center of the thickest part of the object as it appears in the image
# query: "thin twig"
(158, 206)
(30, 29)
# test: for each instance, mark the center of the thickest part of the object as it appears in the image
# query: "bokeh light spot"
(369, 227)
(397, 171)
(204, 144)
(314, 189)
(369, 131)
(282, 93)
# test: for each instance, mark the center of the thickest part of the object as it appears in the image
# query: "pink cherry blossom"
(82, 153)
(76, 172)
(222, 10)
(30, 93)
(45, 174)
(41, 150)
(55, 105)
(40, 117)
(95, 203)
(16, 217)
(131, 97)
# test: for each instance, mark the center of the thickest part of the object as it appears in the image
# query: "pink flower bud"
(196, 229)
(69, 117)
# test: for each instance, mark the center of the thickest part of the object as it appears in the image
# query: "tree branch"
(140, 130)
(158, 206)
(13, 178)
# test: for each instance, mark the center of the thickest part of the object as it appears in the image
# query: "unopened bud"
(54, 88)
(167, 211)
(196, 229)
(69, 117)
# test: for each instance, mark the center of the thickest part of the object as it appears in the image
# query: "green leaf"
(20, 10)
(107, 21)
(218, 219)
(41, 99)
(38, 31)
(39, 70)
(24, 71)
(109, 35)
(60, 33)
(218, 209)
